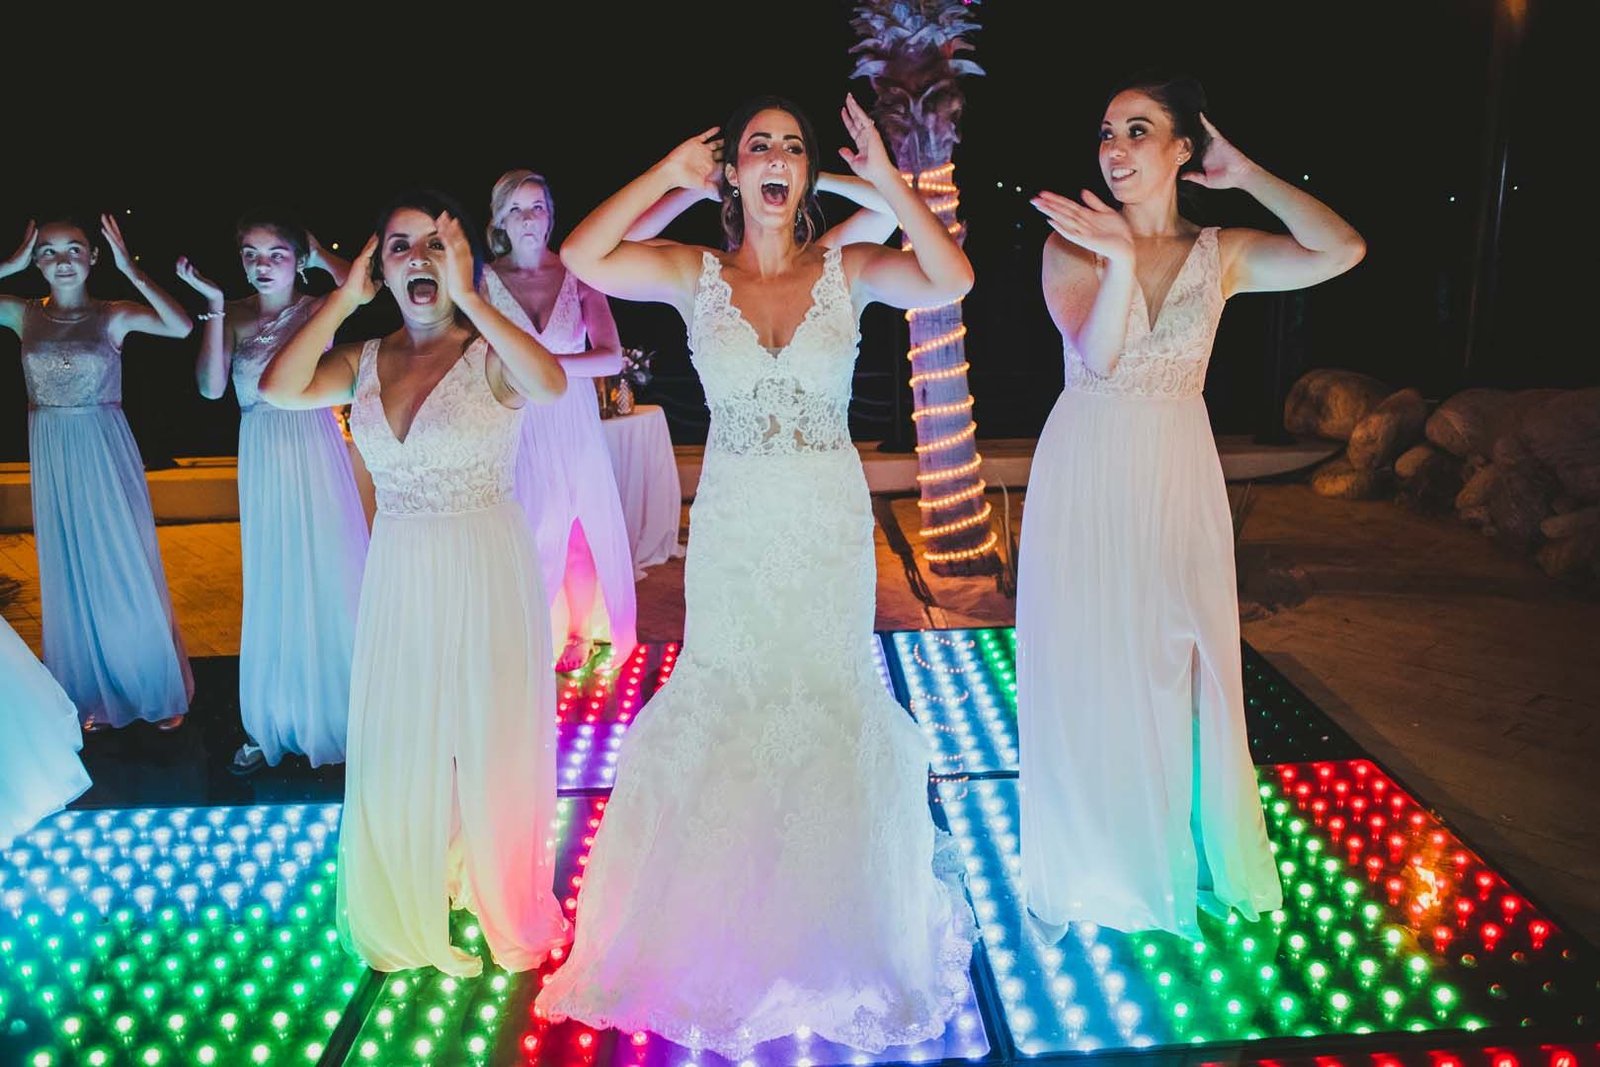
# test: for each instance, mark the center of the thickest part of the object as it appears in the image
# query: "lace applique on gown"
(766, 862)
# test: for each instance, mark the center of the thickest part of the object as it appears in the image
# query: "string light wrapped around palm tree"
(909, 52)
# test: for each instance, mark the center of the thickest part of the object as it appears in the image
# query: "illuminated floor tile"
(596, 705)
(176, 935)
(1283, 725)
(961, 685)
(1360, 947)
(198, 935)
(423, 1016)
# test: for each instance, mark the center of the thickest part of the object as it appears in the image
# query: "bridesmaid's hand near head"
(1093, 224)
(118, 244)
(1223, 166)
(191, 276)
(360, 285)
(458, 266)
(695, 163)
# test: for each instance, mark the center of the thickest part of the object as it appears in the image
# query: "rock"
(1509, 451)
(1328, 402)
(1430, 478)
(1466, 423)
(1413, 459)
(1338, 478)
(1571, 523)
(1475, 493)
(1563, 433)
(1575, 557)
(1470, 422)
(1388, 430)
(1519, 501)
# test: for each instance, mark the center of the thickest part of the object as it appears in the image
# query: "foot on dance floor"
(579, 651)
(248, 759)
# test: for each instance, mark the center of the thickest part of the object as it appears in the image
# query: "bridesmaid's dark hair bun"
(1182, 97)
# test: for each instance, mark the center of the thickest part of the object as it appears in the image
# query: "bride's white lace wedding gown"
(766, 862)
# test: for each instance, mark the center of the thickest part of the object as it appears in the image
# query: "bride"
(766, 864)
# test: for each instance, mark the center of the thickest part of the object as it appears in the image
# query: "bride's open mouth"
(422, 290)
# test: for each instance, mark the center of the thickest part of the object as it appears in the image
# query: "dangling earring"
(301, 271)
(736, 192)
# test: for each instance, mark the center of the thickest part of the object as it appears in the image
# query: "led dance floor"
(205, 935)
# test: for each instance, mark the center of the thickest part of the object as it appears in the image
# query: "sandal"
(248, 759)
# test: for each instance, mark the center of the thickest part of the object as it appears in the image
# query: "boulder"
(1574, 558)
(1475, 493)
(1466, 423)
(1519, 501)
(1430, 478)
(1389, 429)
(1339, 478)
(1329, 402)
(1571, 523)
(1563, 434)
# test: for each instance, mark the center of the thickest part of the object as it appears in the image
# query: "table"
(647, 481)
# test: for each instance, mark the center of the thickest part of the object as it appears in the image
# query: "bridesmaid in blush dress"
(564, 476)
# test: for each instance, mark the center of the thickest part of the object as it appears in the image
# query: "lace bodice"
(565, 334)
(71, 364)
(460, 454)
(1169, 359)
(252, 355)
(794, 400)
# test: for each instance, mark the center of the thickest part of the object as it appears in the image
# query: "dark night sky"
(1382, 106)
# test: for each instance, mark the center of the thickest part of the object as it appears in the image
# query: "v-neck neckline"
(1152, 321)
(738, 312)
(555, 305)
(377, 376)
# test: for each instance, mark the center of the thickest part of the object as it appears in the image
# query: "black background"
(1380, 110)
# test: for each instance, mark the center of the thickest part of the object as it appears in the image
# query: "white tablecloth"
(647, 479)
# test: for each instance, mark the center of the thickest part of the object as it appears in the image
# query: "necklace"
(266, 332)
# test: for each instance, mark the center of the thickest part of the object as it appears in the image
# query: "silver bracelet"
(206, 316)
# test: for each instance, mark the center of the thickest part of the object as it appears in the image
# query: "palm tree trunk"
(958, 539)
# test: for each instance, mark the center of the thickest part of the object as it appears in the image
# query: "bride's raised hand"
(694, 163)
